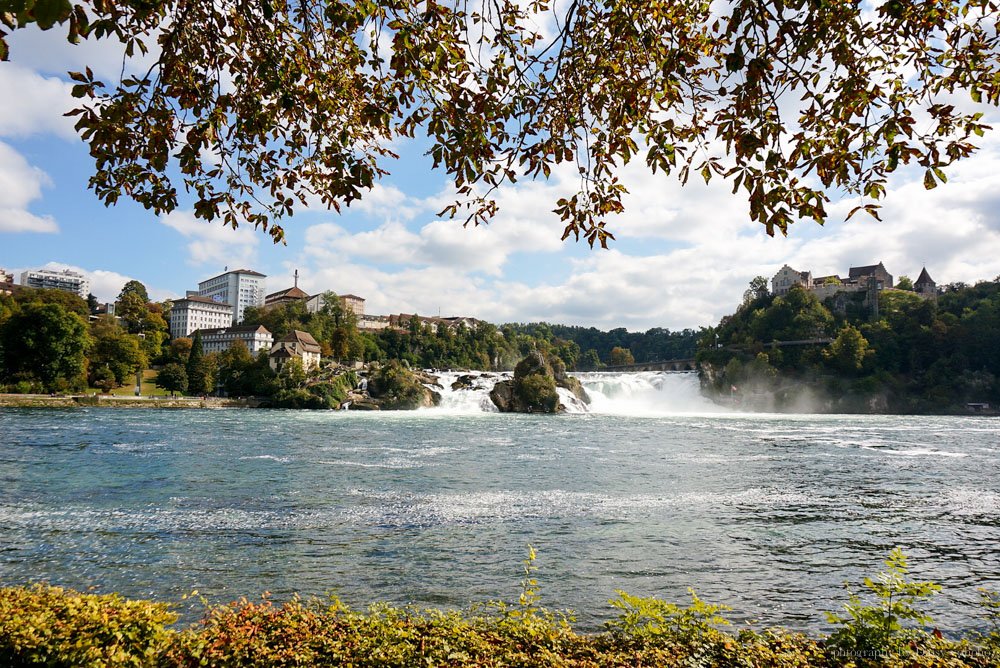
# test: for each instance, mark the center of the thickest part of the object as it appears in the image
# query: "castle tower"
(925, 285)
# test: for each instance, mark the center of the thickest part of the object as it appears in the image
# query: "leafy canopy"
(257, 107)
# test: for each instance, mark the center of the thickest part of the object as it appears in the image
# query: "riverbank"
(111, 401)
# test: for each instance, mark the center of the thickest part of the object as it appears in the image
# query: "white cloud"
(104, 284)
(388, 202)
(214, 243)
(21, 184)
(34, 104)
(683, 258)
(49, 51)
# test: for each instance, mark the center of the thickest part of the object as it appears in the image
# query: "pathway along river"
(655, 493)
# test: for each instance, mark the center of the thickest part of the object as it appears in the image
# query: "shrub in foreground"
(50, 626)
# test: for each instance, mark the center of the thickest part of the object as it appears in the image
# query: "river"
(653, 491)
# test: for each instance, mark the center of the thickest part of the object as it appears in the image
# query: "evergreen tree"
(199, 377)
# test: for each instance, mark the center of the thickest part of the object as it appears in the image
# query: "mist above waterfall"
(643, 393)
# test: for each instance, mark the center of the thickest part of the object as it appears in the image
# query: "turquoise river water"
(655, 493)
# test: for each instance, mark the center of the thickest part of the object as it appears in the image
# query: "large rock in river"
(394, 387)
(533, 388)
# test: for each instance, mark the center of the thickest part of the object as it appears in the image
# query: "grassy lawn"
(128, 390)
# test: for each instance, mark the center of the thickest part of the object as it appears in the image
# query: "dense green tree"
(292, 375)
(67, 300)
(172, 378)
(103, 378)
(134, 288)
(904, 283)
(758, 290)
(652, 345)
(46, 343)
(234, 369)
(133, 311)
(848, 351)
(179, 350)
(116, 350)
(281, 319)
(590, 361)
(155, 331)
(620, 357)
(794, 316)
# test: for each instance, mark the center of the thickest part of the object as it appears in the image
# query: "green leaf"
(929, 182)
(49, 12)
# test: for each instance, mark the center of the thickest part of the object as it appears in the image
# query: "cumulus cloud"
(214, 243)
(21, 184)
(683, 258)
(34, 104)
(49, 51)
(104, 284)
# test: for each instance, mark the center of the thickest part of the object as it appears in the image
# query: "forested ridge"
(912, 355)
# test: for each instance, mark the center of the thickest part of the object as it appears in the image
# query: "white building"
(353, 303)
(191, 313)
(295, 345)
(67, 280)
(256, 338)
(373, 323)
(6, 282)
(239, 289)
(788, 277)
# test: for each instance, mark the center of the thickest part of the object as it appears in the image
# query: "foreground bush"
(49, 626)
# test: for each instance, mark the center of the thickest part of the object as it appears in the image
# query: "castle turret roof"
(924, 278)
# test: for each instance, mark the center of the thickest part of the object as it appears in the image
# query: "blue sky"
(682, 259)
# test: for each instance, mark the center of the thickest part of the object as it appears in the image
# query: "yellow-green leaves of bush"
(55, 627)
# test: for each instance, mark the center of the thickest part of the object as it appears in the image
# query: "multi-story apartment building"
(67, 280)
(6, 282)
(256, 338)
(239, 288)
(191, 313)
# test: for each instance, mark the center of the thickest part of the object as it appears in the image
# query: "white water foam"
(646, 393)
(649, 393)
(472, 399)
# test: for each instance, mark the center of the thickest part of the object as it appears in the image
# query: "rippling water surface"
(769, 514)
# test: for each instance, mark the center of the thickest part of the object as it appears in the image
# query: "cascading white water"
(643, 393)
(471, 395)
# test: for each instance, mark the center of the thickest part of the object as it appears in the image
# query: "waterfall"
(643, 393)
(467, 391)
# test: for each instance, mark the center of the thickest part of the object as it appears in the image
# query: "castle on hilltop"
(871, 279)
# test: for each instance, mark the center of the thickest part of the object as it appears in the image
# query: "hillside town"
(864, 341)
(216, 311)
